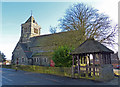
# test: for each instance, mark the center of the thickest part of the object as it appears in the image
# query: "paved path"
(11, 77)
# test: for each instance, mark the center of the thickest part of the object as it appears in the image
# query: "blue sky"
(45, 13)
(14, 14)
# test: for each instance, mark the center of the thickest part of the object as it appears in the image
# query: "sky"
(46, 14)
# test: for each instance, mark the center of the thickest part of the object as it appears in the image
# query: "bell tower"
(29, 29)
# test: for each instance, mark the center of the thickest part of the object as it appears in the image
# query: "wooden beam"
(78, 58)
(89, 64)
(100, 58)
(86, 70)
(110, 58)
(94, 64)
(93, 59)
(89, 59)
(106, 55)
(85, 59)
(103, 59)
(81, 59)
(73, 65)
(79, 63)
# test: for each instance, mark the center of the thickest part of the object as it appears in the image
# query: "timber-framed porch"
(92, 60)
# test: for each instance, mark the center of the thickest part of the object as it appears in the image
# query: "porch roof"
(91, 46)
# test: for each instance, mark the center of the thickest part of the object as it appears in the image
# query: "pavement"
(11, 77)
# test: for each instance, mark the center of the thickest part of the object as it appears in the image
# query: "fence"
(89, 72)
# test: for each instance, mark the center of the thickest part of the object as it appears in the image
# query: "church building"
(22, 52)
(35, 49)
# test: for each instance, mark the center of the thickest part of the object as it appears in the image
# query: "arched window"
(22, 59)
(33, 21)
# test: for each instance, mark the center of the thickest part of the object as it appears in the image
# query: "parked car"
(118, 67)
(117, 70)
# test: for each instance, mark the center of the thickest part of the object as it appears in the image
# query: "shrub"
(62, 57)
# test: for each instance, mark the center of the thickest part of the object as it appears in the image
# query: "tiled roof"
(91, 46)
(42, 54)
(52, 41)
(26, 51)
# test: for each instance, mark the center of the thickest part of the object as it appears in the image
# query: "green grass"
(64, 71)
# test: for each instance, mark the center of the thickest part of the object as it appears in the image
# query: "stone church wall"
(41, 60)
(19, 54)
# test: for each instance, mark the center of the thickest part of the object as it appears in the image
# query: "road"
(11, 77)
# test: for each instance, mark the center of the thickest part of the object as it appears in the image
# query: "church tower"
(29, 29)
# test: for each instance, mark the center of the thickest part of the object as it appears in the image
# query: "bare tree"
(53, 29)
(90, 22)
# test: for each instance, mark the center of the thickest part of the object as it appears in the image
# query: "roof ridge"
(49, 34)
(91, 46)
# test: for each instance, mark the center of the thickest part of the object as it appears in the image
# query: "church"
(35, 49)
